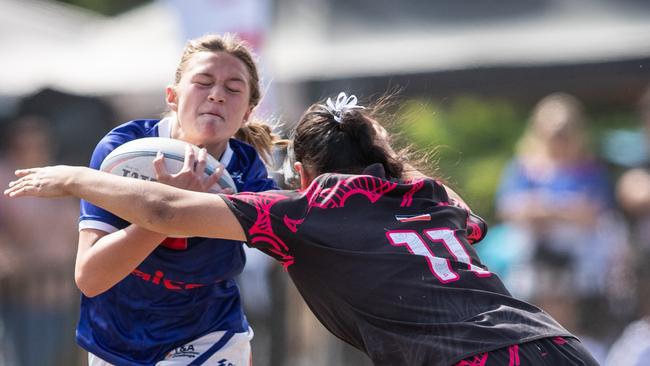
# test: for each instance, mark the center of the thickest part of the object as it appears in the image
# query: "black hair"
(324, 144)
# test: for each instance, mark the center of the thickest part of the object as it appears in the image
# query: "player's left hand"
(48, 181)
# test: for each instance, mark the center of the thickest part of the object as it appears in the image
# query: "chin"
(211, 118)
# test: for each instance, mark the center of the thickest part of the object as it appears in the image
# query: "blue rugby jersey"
(184, 289)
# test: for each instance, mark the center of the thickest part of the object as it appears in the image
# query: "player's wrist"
(74, 176)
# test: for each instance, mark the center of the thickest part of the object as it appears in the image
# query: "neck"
(216, 149)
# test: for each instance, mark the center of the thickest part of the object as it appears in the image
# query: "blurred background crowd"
(537, 112)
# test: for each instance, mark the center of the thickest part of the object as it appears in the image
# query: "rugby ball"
(135, 159)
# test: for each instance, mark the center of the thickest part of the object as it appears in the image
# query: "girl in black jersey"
(382, 256)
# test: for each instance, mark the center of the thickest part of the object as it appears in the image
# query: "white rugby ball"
(135, 159)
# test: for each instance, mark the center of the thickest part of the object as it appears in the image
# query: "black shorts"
(556, 351)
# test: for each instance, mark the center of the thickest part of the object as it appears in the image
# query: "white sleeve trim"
(165, 127)
(227, 155)
(97, 225)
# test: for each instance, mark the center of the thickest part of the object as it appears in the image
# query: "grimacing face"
(211, 101)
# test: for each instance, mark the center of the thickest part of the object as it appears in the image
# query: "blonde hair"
(260, 135)
(533, 143)
(256, 133)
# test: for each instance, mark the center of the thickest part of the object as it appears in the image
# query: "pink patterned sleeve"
(476, 228)
(262, 228)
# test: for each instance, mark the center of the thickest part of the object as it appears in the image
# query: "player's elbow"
(161, 215)
(155, 213)
(86, 284)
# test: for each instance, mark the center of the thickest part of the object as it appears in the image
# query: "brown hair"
(325, 145)
(260, 135)
(256, 133)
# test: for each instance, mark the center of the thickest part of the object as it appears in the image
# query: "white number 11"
(440, 267)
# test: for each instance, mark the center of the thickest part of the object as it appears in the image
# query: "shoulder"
(130, 131)
(247, 168)
(241, 148)
(136, 128)
(375, 187)
(121, 134)
(245, 157)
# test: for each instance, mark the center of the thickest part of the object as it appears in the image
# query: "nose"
(216, 95)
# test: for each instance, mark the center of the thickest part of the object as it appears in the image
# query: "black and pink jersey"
(389, 268)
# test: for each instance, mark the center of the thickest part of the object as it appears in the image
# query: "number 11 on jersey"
(440, 267)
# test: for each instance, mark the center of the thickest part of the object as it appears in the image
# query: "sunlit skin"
(211, 101)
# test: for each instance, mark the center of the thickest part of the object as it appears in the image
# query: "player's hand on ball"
(41, 182)
(190, 176)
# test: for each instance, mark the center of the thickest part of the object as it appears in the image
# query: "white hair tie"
(343, 104)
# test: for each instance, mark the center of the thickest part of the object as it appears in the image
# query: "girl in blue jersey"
(385, 263)
(148, 299)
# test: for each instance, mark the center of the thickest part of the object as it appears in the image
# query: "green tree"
(470, 140)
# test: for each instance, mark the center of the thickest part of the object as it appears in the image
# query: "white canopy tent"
(47, 44)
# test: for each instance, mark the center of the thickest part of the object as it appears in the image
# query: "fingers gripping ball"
(135, 159)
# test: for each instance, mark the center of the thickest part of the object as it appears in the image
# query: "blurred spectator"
(557, 209)
(633, 192)
(632, 348)
(633, 188)
(38, 296)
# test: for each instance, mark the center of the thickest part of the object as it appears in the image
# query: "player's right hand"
(191, 175)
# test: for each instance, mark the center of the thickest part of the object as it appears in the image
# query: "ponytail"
(259, 135)
(343, 140)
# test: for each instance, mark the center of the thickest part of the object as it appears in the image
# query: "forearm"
(112, 257)
(153, 206)
(146, 204)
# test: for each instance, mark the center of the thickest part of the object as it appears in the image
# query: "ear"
(305, 176)
(170, 98)
(247, 115)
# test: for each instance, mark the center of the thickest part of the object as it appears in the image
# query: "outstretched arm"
(154, 206)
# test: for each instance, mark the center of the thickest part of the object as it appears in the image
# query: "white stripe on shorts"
(236, 352)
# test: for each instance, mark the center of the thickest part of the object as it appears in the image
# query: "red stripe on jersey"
(175, 243)
(404, 218)
(407, 200)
